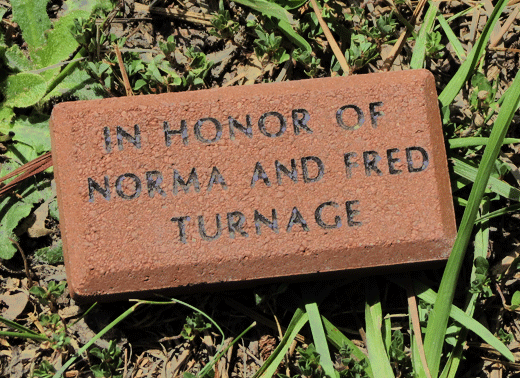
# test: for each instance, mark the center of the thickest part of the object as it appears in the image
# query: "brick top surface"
(244, 183)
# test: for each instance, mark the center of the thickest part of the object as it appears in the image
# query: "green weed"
(268, 47)
(111, 361)
(195, 324)
(50, 294)
(44, 370)
(223, 25)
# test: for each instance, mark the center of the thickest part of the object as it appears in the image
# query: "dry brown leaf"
(13, 304)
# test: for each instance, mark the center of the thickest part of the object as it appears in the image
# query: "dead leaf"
(34, 224)
(13, 304)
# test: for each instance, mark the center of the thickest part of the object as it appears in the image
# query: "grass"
(77, 57)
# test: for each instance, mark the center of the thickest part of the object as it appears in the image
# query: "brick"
(229, 185)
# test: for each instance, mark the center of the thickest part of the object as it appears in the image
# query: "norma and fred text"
(282, 171)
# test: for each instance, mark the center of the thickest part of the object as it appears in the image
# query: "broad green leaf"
(50, 255)
(33, 132)
(320, 341)
(515, 300)
(78, 84)
(2, 12)
(16, 60)
(88, 6)
(6, 114)
(32, 18)
(13, 210)
(24, 89)
(438, 320)
(60, 42)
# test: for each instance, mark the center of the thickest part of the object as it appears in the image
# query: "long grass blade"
(419, 51)
(338, 339)
(454, 86)
(469, 172)
(476, 141)
(320, 341)
(270, 366)
(480, 250)
(498, 213)
(100, 334)
(207, 370)
(17, 326)
(25, 335)
(376, 348)
(438, 320)
(455, 43)
(430, 296)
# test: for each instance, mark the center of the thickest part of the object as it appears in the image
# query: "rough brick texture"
(245, 183)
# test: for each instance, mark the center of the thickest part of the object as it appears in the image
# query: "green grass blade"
(465, 70)
(320, 341)
(428, 295)
(438, 320)
(498, 213)
(205, 372)
(476, 141)
(17, 326)
(338, 339)
(270, 366)
(100, 334)
(376, 348)
(25, 335)
(419, 51)
(500, 187)
(465, 12)
(480, 250)
(455, 43)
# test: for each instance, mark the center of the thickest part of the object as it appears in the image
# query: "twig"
(402, 38)
(505, 27)
(412, 304)
(128, 88)
(56, 65)
(25, 263)
(29, 169)
(235, 79)
(248, 352)
(188, 16)
(506, 49)
(330, 38)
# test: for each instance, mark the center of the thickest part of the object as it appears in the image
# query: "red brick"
(127, 246)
